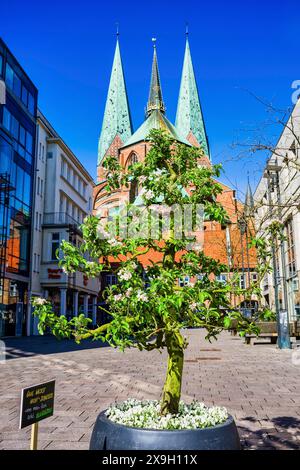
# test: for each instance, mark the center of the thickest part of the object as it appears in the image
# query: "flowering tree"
(148, 308)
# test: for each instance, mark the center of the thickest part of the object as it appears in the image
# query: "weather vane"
(154, 41)
(186, 28)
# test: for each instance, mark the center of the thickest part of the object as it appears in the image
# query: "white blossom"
(149, 194)
(142, 296)
(113, 242)
(142, 179)
(40, 301)
(193, 306)
(124, 275)
(128, 292)
(146, 414)
(117, 297)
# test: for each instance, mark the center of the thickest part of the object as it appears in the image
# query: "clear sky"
(239, 49)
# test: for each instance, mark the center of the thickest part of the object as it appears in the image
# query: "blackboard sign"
(37, 403)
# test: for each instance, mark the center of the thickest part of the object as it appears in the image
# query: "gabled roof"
(189, 116)
(117, 119)
(156, 120)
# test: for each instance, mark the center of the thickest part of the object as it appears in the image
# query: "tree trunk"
(172, 387)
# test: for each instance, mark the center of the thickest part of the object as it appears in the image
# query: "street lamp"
(242, 226)
(283, 324)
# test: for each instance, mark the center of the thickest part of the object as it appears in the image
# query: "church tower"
(117, 125)
(189, 117)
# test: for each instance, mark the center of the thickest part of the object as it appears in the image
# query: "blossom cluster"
(146, 414)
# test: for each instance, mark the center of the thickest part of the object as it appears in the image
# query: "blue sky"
(239, 49)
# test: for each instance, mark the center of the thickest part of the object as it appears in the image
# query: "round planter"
(107, 435)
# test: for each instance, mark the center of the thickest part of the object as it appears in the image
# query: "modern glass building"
(17, 166)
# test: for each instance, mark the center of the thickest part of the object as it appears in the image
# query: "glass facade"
(17, 158)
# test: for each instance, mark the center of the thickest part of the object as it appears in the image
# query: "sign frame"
(50, 388)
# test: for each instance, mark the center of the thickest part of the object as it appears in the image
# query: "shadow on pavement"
(284, 434)
(33, 345)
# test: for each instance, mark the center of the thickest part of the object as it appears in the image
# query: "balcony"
(60, 218)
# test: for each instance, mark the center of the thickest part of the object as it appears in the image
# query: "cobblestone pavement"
(259, 385)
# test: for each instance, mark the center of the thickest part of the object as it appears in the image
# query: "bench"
(268, 330)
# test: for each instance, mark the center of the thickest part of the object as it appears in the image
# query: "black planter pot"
(112, 436)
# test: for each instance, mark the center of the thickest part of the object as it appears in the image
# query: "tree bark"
(172, 386)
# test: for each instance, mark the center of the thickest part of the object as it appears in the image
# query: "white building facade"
(277, 197)
(63, 194)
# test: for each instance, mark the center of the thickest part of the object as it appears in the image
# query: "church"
(228, 244)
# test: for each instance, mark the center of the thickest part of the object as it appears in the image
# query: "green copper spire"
(189, 116)
(117, 119)
(155, 100)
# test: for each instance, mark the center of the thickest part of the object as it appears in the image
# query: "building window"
(242, 281)
(63, 167)
(290, 249)
(54, 245)
(38, 185)
(222, 278)
(9, 76)
(24, 96)
(36, 221)
(40, 222)
(110, 279)
(34, 262)
(133, 159)
(184, 282)
(30, 103)
(79, 185)
(42, 188)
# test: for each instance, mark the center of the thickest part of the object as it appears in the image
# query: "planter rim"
(217, 426)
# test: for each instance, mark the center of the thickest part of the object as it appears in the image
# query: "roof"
(156, 120)
(117, 119)
(189, 115)
(54, 137)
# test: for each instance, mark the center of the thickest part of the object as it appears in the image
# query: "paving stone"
(259, 386)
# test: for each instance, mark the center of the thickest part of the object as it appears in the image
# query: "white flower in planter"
(146, 414)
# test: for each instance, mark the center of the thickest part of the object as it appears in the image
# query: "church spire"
(189, 118)
(249, 200)
(155, 100)
(117, 125)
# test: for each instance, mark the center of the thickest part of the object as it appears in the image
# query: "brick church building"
(227, 243)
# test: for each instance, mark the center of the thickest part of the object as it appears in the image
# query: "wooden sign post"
(37, 403)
